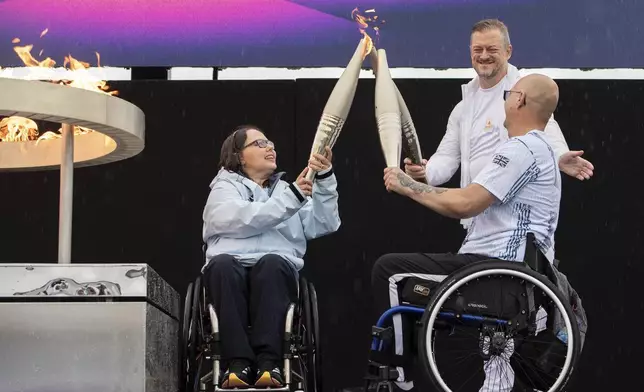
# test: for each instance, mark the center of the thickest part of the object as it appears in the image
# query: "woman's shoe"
(237, 376)
(269, 375)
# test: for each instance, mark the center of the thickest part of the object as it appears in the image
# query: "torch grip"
(310, 175)
(390, 137)
(410, 144)
(329, 129)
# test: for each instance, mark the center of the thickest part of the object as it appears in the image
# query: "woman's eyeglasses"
(261, 143)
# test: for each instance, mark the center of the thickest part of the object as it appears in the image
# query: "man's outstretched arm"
(508, 171)
(454, 203)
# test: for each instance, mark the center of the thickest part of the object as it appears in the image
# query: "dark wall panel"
(148, 209)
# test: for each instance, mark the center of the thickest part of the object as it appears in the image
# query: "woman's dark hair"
(232, 146)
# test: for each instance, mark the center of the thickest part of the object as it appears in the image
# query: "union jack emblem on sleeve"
(500, 160)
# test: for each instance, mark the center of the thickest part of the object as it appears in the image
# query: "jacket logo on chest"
(488, 124)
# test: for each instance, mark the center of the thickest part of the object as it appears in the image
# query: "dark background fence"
(148, 209)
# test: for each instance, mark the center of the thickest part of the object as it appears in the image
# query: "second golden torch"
(410, 143)
(388, 113)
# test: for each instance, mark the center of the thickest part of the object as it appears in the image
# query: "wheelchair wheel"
(307, 351)
(184, 336)
(316, 366)
(494, 323)
(195, 339)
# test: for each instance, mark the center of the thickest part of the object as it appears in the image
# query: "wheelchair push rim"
(306, 348)
(495, 268)
(192, 336)
(185, 335)
(316, 365)
(196, 336)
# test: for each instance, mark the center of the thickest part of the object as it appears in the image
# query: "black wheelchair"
(495, 315)
(200, 340)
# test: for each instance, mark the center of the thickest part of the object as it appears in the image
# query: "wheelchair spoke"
(462, 358)
(298, 375)
(499, 373)
(468, 380)
(520, 362)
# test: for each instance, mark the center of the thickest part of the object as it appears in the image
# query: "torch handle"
(329, 129)
(390, 138)
(310, 174)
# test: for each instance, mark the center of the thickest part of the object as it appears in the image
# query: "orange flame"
(20, 129)
(24, 52)
(365, 22)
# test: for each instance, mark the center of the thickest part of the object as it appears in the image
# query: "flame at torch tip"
(361, 20)
(364, 24)
(368, 47)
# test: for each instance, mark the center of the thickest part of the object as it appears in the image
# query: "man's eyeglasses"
(261, 143)
(506, 93)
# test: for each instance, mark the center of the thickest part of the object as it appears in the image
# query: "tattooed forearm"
(416, 186)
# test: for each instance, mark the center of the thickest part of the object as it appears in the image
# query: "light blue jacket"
(247, 221)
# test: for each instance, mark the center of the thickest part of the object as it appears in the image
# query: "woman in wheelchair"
(256, 227)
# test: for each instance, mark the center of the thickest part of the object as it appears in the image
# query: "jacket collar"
(472, 86)
(224, 174)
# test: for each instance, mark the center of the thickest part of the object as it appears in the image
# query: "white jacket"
(454, 149)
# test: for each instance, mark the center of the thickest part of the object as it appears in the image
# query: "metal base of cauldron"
(92, 327)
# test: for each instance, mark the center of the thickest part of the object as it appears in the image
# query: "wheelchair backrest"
(535, 259)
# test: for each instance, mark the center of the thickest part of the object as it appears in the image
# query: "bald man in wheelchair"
(518, 192)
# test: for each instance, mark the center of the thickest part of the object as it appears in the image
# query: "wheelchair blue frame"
(419, 311)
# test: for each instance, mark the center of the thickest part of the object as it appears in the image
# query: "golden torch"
(410, 142)
(387, 113)
(339, 103)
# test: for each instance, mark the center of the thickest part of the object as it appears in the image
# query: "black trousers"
(388, 275)
(255, 296)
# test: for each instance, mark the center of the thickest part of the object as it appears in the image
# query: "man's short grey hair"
(492, 24)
